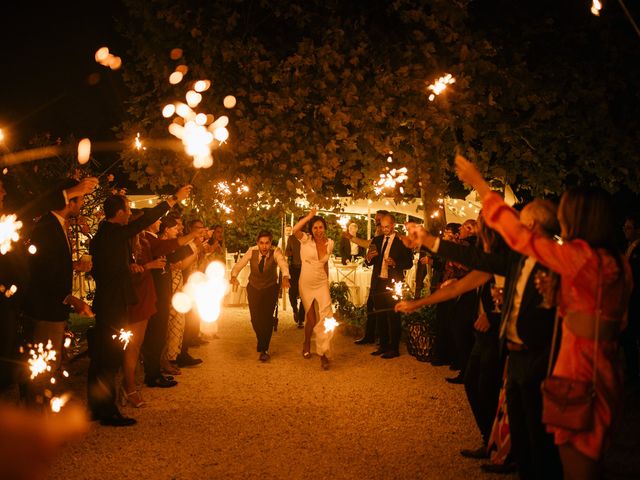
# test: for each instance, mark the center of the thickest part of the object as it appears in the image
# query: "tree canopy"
(327, 90)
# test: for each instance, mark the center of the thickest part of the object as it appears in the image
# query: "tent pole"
(368, 221)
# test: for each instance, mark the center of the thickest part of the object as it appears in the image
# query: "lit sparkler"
(204, 292)
(41, 358)
(330, 324)
(57, 403)
(198, 131)
(84, 151)
(343, 221)
(399, 289)
(391, 179)
(8, 292)
(107, 59)
(9, 226)
(440, 85)
(596, 6)
(138, 143)
(123, 336)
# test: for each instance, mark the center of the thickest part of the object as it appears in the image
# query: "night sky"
(47, 58)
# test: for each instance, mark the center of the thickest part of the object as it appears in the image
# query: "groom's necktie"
(261, 264)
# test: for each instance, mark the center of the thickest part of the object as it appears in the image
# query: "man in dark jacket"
(14, 267)
(525, 332)
(390, 259)
(114, 293)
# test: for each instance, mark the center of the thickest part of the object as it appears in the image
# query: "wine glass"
(546, 283)
(497, 293)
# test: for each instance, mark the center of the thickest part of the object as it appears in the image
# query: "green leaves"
(325, 90)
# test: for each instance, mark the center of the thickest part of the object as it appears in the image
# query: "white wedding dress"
(314, 289)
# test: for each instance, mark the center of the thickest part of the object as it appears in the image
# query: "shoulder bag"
(566, 402)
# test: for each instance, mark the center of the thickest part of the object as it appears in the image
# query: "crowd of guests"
(138, 261)
(520, 296)
(555, 300)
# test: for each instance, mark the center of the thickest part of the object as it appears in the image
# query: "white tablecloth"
(356, 276)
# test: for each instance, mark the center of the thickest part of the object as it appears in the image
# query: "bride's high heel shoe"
(133, 398)
(306, 351)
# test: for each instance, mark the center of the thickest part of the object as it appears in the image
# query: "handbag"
(566, 402)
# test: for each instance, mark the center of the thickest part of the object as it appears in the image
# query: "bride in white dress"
(315, 250)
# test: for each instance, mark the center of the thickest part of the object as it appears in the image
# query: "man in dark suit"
(14, 267)
(48, 298)
(292, 251)
(526, 329)
(114, 293)
(371, 322)
(390, 258)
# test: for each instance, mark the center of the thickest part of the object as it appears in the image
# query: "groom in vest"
(262, 289)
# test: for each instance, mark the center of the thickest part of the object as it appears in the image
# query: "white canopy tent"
(456, 210)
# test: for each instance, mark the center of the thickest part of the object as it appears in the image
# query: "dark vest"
(269, 275)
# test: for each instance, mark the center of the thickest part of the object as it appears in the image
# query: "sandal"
(133, 398)
(306, 353)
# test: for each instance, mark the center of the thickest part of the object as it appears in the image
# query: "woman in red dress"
(138, 315)
(586, 258)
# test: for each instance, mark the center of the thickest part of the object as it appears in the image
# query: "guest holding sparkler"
(54, 286)
(211, 248)
(389, 259)
(175, 350)
(139, 314)
(595, 286)
(156, 333)
(315, 250)
(48, 299)
(371, 323)
(482, 377)
(526, 330)
(262, 290)
(111, 254)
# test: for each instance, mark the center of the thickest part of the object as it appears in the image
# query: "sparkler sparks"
(8, 292)
(124, 336)
(41, 358)
(343, 221)
(205, 292)
(138, 143)
(440, 85)
(198, 131)
(84, 151)
(107, 59)
(330, 324)
(9, 226)
(229, 101)
(391, 178)
(399, 289)
(596, 6)
(57, 403)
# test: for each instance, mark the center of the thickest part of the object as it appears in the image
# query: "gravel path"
(235, 418)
